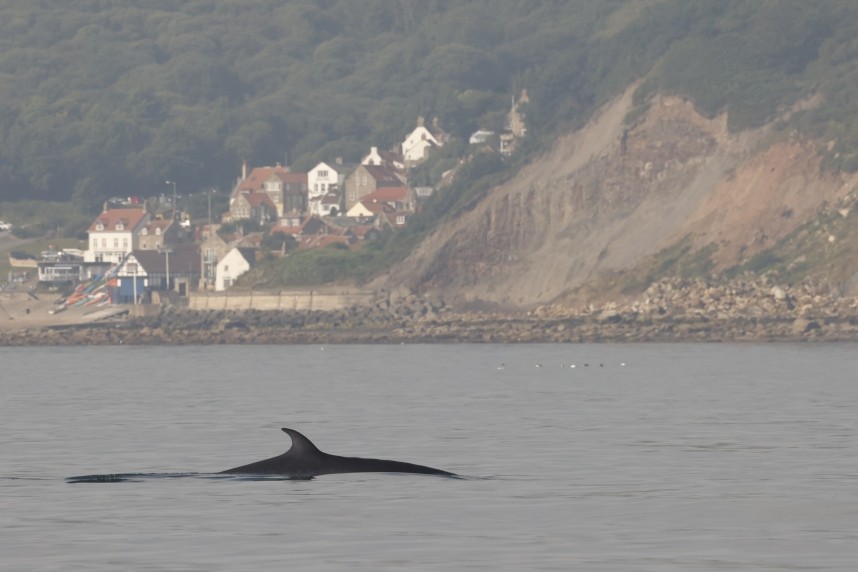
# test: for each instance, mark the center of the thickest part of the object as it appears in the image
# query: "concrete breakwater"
(670, 310)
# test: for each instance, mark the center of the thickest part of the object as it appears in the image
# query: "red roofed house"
(323, 240)
(297, 227)
(287, 190)
(367, 179)
(396, 198)
(256, 206)
(290, 224)
(115, 233)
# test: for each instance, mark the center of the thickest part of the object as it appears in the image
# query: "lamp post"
(133, 268)
(209, 193)
(174, 196)
(166, 252)
(208, 271)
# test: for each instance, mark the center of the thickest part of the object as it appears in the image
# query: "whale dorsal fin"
(300, 444)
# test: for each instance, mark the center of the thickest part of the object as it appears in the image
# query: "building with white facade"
(115, 233)
(420, 142)
(235, 263)
(322, 180)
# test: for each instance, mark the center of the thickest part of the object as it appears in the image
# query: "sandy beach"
(19, 311)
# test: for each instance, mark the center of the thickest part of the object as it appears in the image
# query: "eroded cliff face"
(609, 196)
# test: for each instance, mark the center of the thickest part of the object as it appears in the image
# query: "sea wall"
(670, 310)
(324, 300)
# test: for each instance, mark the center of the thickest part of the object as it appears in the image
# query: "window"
(323, 173)
(116, 243)
(125, 243)
(103, 243)
(400, 219)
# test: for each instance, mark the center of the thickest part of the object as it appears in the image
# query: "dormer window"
(119, 225)
(99, 226)
(158, 231)
(144, 232)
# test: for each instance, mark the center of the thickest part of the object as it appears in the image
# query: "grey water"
(650, 457)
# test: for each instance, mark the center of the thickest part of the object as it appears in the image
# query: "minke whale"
(305, 460)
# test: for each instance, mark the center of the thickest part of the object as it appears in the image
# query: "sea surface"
(641, 457)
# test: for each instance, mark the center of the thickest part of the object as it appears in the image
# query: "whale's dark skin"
(305, 460)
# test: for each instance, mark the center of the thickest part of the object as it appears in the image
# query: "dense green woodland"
(112, 97)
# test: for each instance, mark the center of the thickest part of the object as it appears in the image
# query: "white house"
(419, 143)
(115, 233)
(481, 137)
(235, 263)
(384, 159)
(322, 180)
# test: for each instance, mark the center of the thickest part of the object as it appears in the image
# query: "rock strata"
(669, 310)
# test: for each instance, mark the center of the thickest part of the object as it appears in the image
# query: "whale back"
(304, 459)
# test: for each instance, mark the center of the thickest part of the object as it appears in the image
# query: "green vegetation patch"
(825, 245)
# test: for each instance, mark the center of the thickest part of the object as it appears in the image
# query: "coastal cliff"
(595, 217)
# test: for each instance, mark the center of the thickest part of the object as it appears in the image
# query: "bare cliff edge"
(610, 197)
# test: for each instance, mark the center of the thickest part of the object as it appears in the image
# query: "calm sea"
(652, 457)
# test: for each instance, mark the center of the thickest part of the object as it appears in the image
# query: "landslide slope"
(608, 199)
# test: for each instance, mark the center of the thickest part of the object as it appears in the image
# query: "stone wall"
(324, 299)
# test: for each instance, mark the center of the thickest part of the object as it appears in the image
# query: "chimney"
(339, 161)
(243, 170)
(420, 121)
